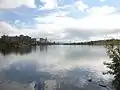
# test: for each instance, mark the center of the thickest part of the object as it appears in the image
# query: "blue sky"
(61, 20)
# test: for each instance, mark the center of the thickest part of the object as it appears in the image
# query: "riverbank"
(98, 42)
(26, 41)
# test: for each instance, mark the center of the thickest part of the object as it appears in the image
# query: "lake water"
(71, 67)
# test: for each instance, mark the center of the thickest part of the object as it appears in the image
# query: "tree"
(114, 67)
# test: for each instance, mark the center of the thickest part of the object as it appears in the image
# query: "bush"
(113, 52)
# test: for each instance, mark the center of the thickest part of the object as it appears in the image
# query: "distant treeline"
(99, 42)
(26, 41)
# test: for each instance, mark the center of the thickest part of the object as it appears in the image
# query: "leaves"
(114, 53)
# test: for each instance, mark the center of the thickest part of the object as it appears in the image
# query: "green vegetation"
(99, 42)
(3, 44)
(26, 41)
(114, 66)
(104, 42)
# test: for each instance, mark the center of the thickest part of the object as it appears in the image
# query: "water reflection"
(43, 48)
(70, 66)
(22, 51)
(25, 72)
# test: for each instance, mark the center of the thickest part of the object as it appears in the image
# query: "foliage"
(98, 42)
(114, 54)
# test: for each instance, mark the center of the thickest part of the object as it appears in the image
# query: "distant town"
(22, 41)
(26, 41)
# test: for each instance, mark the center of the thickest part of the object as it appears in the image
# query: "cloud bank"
(75, 21)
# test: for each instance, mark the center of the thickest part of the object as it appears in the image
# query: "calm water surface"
(70, 66)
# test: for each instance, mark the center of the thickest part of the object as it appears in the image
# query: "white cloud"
(105, 20)
(104, 10)
(6, 4)
(102, 0)
(49, 4)
(81, 6)
(41, 30)
(53, 4)
(55, 24)
(64, 7)
(59, 14)
(51, 18)
(100, 20)
(108, 36)
(6, 29)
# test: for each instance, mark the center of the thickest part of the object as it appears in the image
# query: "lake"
(70, 67)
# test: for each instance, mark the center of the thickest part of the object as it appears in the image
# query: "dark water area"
(71, 67)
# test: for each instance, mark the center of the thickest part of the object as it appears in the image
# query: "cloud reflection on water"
(75, 64)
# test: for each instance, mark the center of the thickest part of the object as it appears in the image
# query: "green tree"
(114, 66)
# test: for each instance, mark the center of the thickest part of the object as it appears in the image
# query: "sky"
(61, 20)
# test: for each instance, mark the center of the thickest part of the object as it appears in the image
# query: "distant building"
(25, 38)
(10, 38)
(18, 39)
(43, 41)
(14, 39)
(5, 38)
(33, 41)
